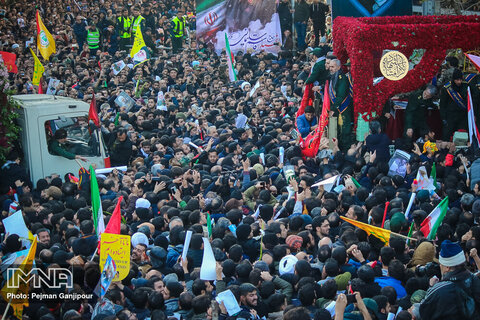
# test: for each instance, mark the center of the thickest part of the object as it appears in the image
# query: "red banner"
(9, 61)
(312, 141)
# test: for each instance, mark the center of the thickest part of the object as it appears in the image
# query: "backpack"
(465, 301)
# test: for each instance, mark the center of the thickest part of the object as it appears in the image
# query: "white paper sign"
(241, 121)
(278, 213)
(257, 213)
(108, 170)
(15, 224)
(186, 244)
(229, 301)
(281, 154)
(331, 308)
(207, 269)
(255, 87)
(327, 183)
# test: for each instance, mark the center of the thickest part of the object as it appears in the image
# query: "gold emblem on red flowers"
(394, 65)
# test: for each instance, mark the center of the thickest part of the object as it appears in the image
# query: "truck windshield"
(79, 139)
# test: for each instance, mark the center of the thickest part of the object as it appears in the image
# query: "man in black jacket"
(318, 10)
(457, 293)
(121, 149)
(285, 15)
(12, 171)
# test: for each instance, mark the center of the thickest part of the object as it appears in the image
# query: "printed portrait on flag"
(249, 24)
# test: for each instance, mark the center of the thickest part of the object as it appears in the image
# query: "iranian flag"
(97, 210)
(431, 223)
(472, 126)
(230, 60)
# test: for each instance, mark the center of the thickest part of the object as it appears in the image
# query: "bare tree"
(460, 6)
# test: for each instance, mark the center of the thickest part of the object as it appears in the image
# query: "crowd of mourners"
(280, 245)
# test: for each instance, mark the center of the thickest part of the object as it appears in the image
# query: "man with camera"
(457, 294)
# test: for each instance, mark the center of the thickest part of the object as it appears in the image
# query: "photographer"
(457, 294)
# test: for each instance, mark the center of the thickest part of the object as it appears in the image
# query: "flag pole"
(402, 236)
(385, 213)
(78, 162)
(6, 309)
(93, 255)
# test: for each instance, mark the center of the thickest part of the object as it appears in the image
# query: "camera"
(351, 298)
(429, 270)
(224, 180)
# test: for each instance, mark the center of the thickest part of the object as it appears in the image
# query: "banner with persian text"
(249, 24)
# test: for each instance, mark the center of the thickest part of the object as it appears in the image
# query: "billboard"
(249, 24)
(371, 8)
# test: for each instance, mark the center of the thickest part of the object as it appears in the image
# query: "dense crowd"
(214, 150)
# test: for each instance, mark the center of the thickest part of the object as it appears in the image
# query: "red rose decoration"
(361, 39)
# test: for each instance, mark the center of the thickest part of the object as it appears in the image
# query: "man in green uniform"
(138, 22)
(94, 39)
(178, 31)
(341, 104)
(124, 24)
(57, 146)
(419, 103)
(453, 105)
(319, 72)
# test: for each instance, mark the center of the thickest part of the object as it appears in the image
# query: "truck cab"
(40, 116)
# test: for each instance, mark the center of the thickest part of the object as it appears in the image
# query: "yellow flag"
(380, 233)
(138, 43)
(37, 70)
(45, 42)
(139, 51)
(9, 289)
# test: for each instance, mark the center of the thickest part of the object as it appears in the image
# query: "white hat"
(244, 84)
(15, 46)
(142, 203)
(287, 264)
(138, 238)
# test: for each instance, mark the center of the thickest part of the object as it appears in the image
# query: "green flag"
(355, 182)
(97, 211)
(209, 225)
(232, 75)
(116, 119)
(410, 232)
(433, 176)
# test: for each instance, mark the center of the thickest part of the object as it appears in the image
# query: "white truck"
(40, 116)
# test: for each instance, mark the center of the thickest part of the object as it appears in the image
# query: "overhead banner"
(371, 8)
(249, 24)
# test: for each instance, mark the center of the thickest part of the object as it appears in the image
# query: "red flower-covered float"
(362, 40)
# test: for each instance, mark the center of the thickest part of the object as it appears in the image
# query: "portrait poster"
(249, 24)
